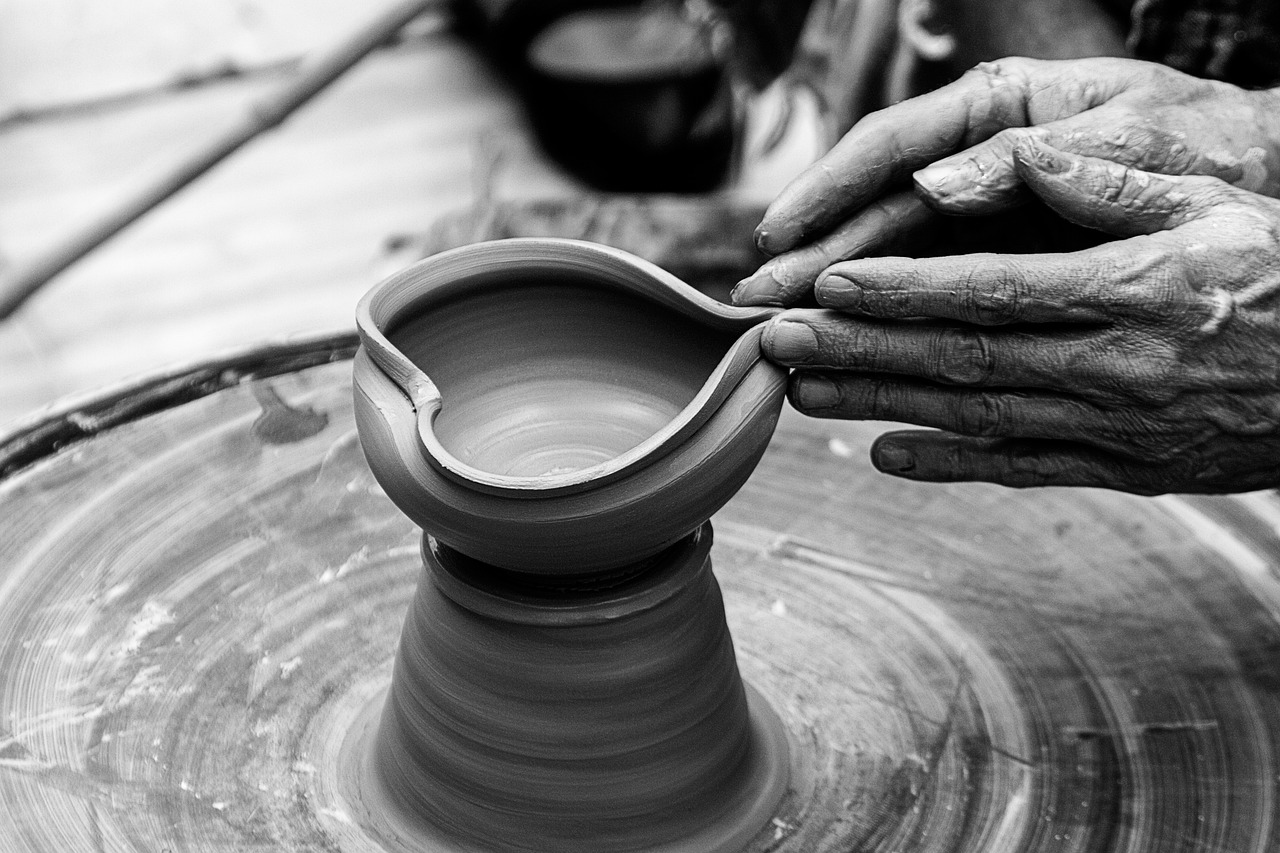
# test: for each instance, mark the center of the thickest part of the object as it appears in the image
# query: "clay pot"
(559, 407)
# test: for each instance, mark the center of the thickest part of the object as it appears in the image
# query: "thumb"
(1112, 197)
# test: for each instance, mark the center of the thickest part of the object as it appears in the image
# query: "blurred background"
(659, 126)
(101, 98)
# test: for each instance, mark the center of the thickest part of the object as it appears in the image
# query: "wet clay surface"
(196, 615)
(556, 428)
(552, 377)
(596, 719)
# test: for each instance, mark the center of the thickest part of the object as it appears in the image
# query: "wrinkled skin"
(1149, 363)
(858, 200)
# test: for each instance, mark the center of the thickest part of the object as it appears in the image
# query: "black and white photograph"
(640, 426)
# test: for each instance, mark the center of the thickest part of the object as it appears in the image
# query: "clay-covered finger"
(1000, 412)
(949, 353)
(943, 457)
(893, 224)
(1090, 286)
(984, 179)
(1112, 197)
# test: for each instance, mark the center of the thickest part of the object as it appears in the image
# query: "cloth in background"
(1233, 40)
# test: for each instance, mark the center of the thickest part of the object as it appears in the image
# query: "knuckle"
(957, 460)
(869, 346)
(986, 71)
(878, 399)
(1073, 94)
(1005, 84)
(961, 358)
(1119, 185)
(1155, 280)
(984, 415)
(998, 295)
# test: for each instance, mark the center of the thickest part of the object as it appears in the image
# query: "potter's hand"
(1149, 364)
(854, 202)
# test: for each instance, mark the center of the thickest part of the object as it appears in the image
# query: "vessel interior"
(550, 375)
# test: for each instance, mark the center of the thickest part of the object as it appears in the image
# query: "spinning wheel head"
(195, 633)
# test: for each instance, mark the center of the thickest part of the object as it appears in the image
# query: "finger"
(896, 222)
(984, 178)
(1020, 414)
(937, 352)
(1089, 286)
(941, 457)
(888, 145)
(1112, 197)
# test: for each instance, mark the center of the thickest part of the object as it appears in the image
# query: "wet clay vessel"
(562, 418)
(559, 407)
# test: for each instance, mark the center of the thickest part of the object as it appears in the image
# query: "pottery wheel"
(200, 600)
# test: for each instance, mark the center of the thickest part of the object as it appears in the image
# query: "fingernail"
(937, 181)
(1032, 152)
(789, 342)
(838, 292)
(777, 238)
(759, 288)
(813, 393)
(894, 458)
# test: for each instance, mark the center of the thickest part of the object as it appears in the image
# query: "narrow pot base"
(764, 778)
(615, 721)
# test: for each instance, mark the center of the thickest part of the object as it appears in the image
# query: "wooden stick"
(262, 117)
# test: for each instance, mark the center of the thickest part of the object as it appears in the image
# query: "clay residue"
(1248, 171)
(281, 423)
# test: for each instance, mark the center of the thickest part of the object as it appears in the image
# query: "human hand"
(1149, 364)
(853, 202)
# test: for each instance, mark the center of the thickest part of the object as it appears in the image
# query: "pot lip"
(437, 277)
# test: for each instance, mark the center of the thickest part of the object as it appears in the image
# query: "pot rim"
(437, 278)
